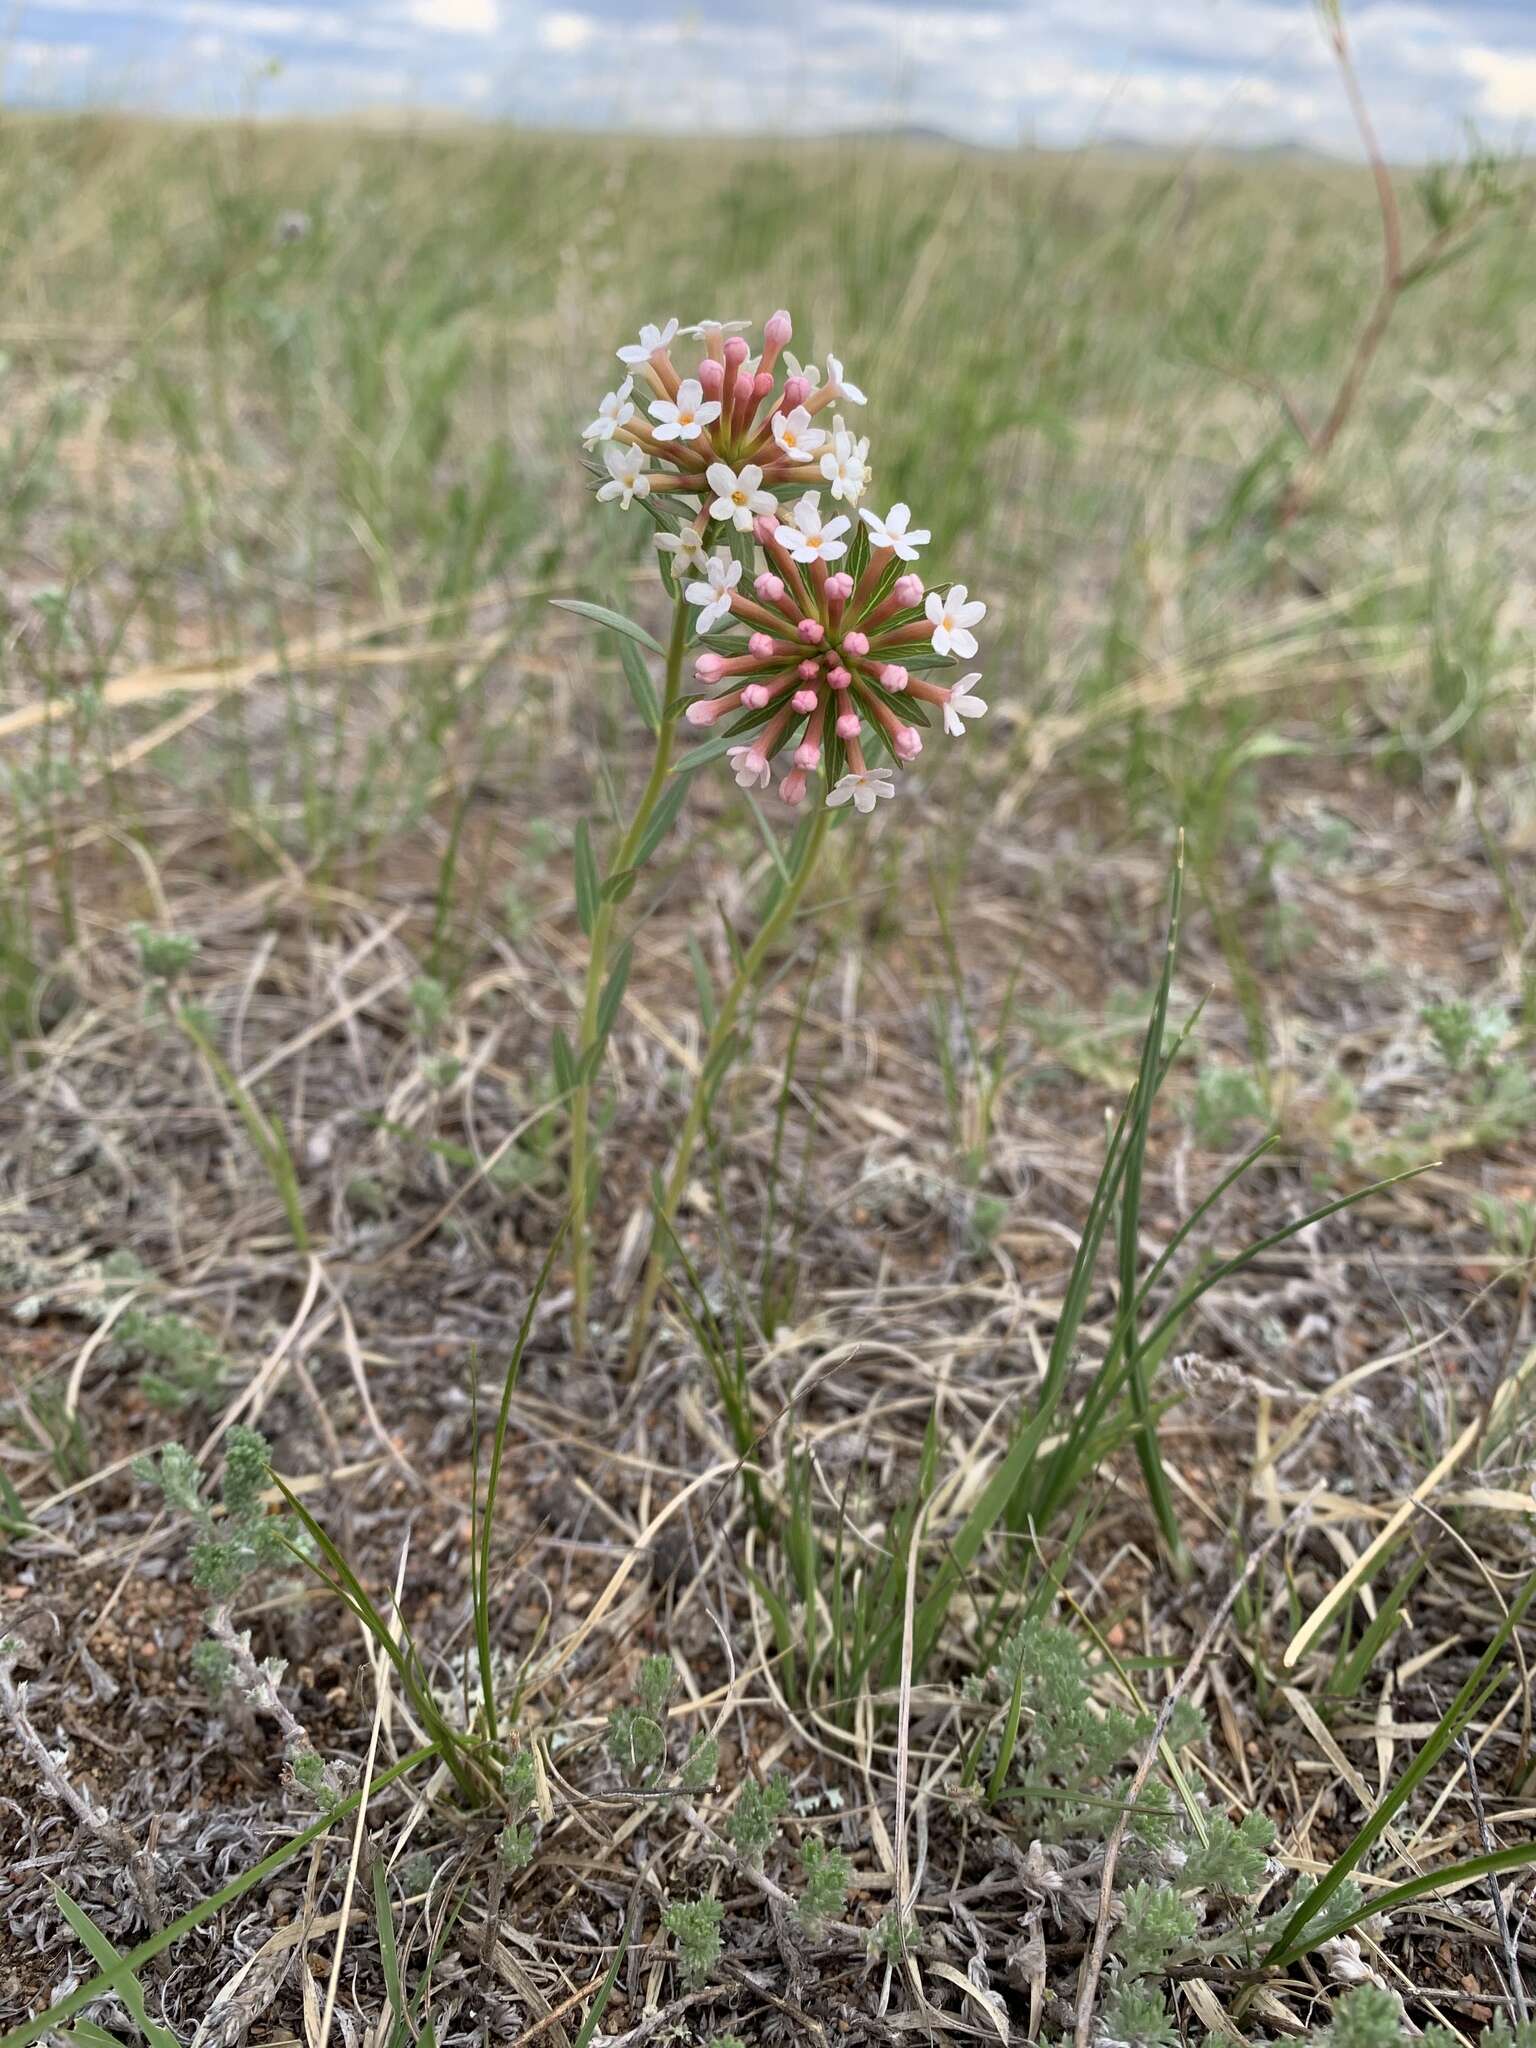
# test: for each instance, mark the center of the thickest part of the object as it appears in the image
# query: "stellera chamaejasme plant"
(817, 643)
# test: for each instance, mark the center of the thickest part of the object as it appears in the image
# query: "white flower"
(843, 467)
(835, 377)
(703, 329)
(952, 618)
(739, 494)
(626, 473)
(809, 371)
(861, 790)
(960, 704)
(795, 435)
(748, 775)
(808, 540)
(715, 595)
(651, 339)
(686, 417)
(614, 411)
(686, 547)
(895, 532)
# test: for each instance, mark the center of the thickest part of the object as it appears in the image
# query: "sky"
(1054, 73)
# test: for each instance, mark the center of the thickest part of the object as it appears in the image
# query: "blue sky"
(1055, 72)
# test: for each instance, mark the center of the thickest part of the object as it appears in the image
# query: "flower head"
(959, 704)
(651, 339)
(749, 767)
(797, 438)
(811, 538)
(843, 467)
(615, 410)
(839, 383)
(686, 547)
(952, 618)
(862, 787)
(685, 417)
(739, 494)
(896, 532)
(715, 595)
(820, 653)
(627, 479)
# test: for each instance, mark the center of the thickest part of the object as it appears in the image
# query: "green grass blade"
(206, 1909)
(1450, 1725)
(124, 1978)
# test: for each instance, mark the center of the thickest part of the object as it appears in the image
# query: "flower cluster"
(832, 644)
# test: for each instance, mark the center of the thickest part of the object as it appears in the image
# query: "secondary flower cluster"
(833, 643)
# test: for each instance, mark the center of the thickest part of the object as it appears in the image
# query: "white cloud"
(462, 17)
(1509, 83)
(565, 32)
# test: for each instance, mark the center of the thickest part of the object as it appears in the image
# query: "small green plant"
(825, 1874)
(1466, 1035)
(637, 1734)
(180, 1365)
(694, 1925)
(754, 1825)
(163, 956)
(519, 1790)
(245, 1539)
(893, 1937)
(1225, 1099)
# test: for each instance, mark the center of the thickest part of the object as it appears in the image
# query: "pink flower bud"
(839, 677)
(736, 351)
(908, 742)
(765, 526)
(796, 391)
(761, 644)
(804, 700)
(770, 588)
(807, 754)
(702, 711)
(848, 725)
(762, 384)
(778, 330)
(908, 589)
(755, 696)
(840, 588)
(894, 676)
(711, 375)
(792, 788)
(808, 671)
(709, 668)
(855, 643)
(812, 632)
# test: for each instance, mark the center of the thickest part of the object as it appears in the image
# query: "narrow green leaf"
(1494, 1864)
(207, 1909)
(1474, 1690)
(663, 818)
(563, 1061)
(605, 1989)
(124, 1978)
(586, 878)
(613, 991)
(641, 688)
(615, 621)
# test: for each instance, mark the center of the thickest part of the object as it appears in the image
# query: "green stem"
(597, 967)
(790, 892)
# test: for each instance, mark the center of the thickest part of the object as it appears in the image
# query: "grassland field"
(294, 751)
